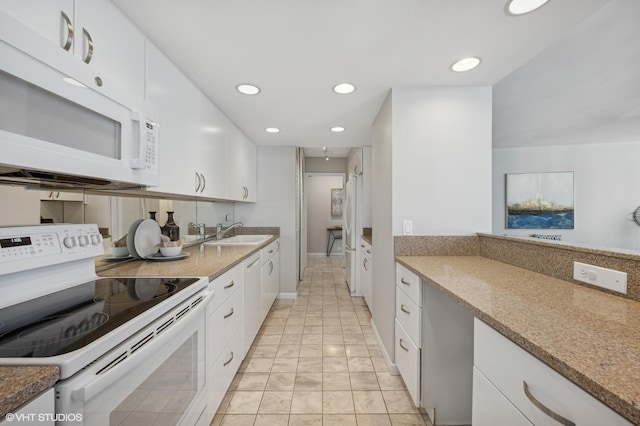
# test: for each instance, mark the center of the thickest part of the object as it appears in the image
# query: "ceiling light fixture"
(272, 130)
(522, 7)
(248, 89)
(344, 88)
(326, 156)
(466, 64)
(337, 129)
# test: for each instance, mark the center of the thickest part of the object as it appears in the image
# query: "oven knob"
(69, 242)
(96, 239)
(83, 240)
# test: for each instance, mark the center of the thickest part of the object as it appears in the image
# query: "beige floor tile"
(309, 365)
(333, 339)
(333, 350)
(356, 350)
(276, 402)
(238, 420)
(293, 329)
(291, 339)
(373, 420)
(296, 320)
(263, 351)
(312, 339)
(407, 420)
(308, 381)
(379, 364)
(374, 350)
(364, 381)
(399, 402)
(222, 408)
(285, 365)
(288, 351)
(306, 402)
(354, 339)
(275, 321)
(305, 420)
(267, 339)
(370, 339)
(252, 381)
(272, 420)
(334, 365)
(351, 329)
(244, 402)
(369, 402)
(281, 381)
(331, 329)
(335, 381)
(332, 321)
(273, 329)
(339, 419)
(259, 365)
(360, 364)
(313, 329)
(337, 402)
(389, 382)
(310, 351)
(313, 321)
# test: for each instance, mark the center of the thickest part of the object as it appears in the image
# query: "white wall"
(603, 189)
(319, 212)
(320, 165)
(442, 160)
(275, 206)
(19, 206)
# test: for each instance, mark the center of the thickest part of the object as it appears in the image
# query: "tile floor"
(315, 361)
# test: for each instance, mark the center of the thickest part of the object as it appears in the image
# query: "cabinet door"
(490, 407)
(118, 45)
(242, 166)
(252, 290)
(212, 151)
(43, 17)
(177, 101)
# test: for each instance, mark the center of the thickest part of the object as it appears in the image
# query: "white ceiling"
(297, 50)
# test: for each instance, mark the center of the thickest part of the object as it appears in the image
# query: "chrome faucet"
(220, 233)
(200, 227)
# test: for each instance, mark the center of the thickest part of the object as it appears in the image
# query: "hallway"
(316, 362)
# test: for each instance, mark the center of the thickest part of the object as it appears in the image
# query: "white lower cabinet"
(39, 411)
(222, 373)
(270, 282)
(252, 292)
(408, 362)
(490, 407)
(366, 271)
(536, 390)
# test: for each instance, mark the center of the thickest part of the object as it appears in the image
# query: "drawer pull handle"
(555, 416)
(403, 281)
(403, 309)
(403, 346)
(89, 54)
(230, 359)
(369, 251)
(229, 314)
(231, 284)
(69, 40)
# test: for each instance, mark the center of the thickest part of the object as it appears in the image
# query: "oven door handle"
(99, 382)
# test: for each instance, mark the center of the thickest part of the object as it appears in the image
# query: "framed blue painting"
(539, 200)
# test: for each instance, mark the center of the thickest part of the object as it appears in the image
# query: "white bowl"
(119, 251)
(170, 251)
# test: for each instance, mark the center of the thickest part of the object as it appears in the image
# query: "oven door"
(156, 377)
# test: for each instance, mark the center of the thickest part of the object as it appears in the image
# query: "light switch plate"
(407, 227)
(600, 277)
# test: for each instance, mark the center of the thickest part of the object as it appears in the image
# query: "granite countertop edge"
(20, 384)
(625, 408)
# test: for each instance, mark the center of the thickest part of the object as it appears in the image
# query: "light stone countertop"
(18, 385)
(204, 261)
(588, 336)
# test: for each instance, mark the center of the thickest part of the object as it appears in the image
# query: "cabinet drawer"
(409, 315)
(490, 407)
(409, 283)
(221, 374)
(267, 253)
(508, 367)
(408, 362)
(222, 324)
(224, 286)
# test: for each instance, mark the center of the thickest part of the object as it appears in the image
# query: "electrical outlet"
(407, 227)
(600, 277)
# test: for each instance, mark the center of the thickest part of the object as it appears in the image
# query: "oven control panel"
(30, 247)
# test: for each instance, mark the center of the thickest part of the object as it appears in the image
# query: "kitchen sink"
(240, 240)
(192, 239)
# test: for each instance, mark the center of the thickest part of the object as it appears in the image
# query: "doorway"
(324, 193)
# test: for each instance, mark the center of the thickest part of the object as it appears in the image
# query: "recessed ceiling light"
(521, 7)
(337, 129)
(465, 64)
(272, 130)
(344, 88)
(248, 89)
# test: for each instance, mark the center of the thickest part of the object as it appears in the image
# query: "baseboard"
(287, 296)
(393, 368)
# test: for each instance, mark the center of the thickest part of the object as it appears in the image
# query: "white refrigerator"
(352, 230)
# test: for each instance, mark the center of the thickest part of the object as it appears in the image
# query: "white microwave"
(51, 122)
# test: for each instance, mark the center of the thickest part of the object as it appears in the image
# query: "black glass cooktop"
(67, 320)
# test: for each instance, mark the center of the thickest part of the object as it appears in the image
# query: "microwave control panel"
(148, 145)
(30, 247)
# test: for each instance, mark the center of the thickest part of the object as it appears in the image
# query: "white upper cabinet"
(92, 31)
(212, 148)
(241, 166)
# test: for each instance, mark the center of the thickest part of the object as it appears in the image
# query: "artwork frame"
(337, 201)
(543, 200)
